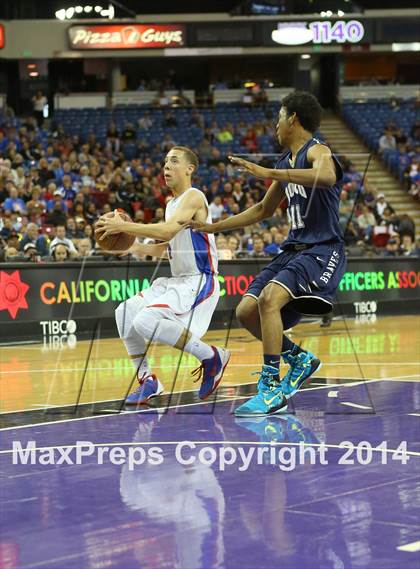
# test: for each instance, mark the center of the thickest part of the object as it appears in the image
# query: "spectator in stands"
(36, 206)
(61, 239)
(366, 221)
(223, 250)
(351, 233)
(68, 190)
(33, 237)
(408, 246)
(145, 122)
(278, 219)
(238, 195)
(11, 254)
(390, 221)
(167, 143)
(346, 207)
(129, 133)
(387, 142)
(159, 216)
(250, 141)
(60, 253)
(381, 205)
(14, 203)
(84, 248)
(406, 225)
(72, 231)
(197, 119)
(31, 253)
(204, 149)
(38, 102)
(225, 134)
(257, 250)
(233, 244)
(216, 208)
(392, 248)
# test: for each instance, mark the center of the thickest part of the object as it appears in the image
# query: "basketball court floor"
(332, 483)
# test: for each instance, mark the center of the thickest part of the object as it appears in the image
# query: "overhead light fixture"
(68, 13)
(328, 13)
(323, 14)
(110, 13)
(61, 14)
(305, 56)
(411, 46)
(340, 13)
(292, 34)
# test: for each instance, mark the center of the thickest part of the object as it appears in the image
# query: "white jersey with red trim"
(191, 252)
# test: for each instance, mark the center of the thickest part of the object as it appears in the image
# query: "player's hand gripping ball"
(113, 241)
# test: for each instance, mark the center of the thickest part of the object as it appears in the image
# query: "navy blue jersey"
(312, 211)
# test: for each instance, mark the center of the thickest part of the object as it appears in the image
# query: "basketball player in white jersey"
(177, 310)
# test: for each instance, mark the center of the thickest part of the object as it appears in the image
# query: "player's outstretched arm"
(322, 173)
(262, 210)
(164, 231)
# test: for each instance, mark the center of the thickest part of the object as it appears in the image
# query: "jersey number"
(295, 219)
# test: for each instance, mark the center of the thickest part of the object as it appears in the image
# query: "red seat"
(380, 239)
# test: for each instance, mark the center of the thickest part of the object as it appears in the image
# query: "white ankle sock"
(141, 365)
(198, 349)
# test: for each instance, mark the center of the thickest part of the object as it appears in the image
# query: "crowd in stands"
(55, 184)
(404, 148)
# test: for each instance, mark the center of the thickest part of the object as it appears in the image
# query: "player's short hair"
(189, 154)
(307, 109)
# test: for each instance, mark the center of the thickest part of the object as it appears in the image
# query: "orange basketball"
(118, 241)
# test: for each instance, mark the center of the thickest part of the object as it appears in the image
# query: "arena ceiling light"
(412, 46)
(88, 10)
(292, 34)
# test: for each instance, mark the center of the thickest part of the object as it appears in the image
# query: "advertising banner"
(40, 299)
(132, 36)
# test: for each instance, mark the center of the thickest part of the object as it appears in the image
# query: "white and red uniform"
(193, 290)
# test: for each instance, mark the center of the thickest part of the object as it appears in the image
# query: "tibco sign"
(126, 37)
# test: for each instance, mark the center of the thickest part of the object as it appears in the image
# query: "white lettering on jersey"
(295, 189)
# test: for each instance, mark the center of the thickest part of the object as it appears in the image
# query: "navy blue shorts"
(311, 276)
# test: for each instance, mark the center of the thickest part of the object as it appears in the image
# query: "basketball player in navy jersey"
(304, 276)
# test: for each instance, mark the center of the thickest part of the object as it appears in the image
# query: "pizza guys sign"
(131, 36)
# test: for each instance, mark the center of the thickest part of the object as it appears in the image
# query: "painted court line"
(225, 384)
(355, 405)
(329, 386)
(341, 364)
(410, 547)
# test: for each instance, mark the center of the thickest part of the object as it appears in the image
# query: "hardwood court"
(36, 376)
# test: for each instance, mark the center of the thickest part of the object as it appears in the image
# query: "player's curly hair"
(306, 107)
